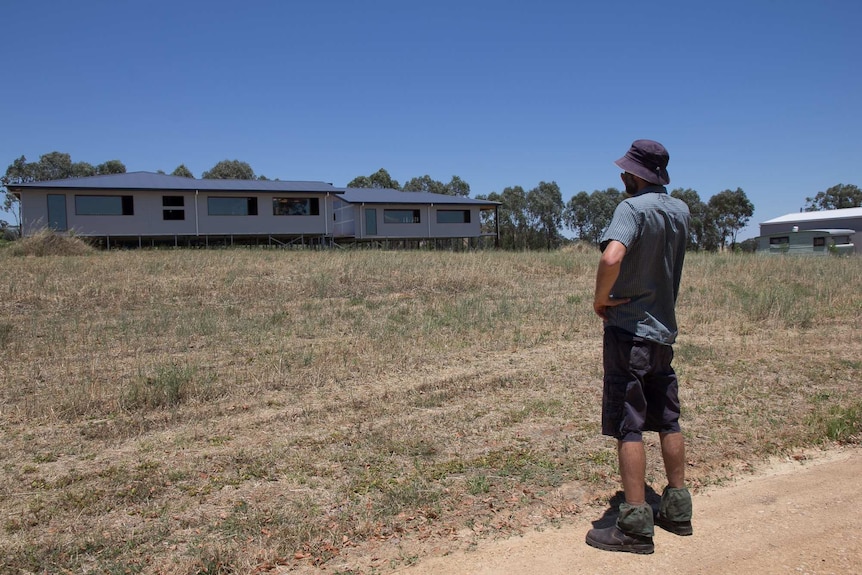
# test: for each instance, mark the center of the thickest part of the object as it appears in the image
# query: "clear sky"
(762, 95)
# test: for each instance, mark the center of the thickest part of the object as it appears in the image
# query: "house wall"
(148, 217)
(34, 212)
(427, 227)
(343, 218)
(801, 242)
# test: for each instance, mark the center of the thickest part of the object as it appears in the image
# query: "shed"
(841, 221)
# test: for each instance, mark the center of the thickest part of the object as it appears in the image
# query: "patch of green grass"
(839, 423)
(478, 484)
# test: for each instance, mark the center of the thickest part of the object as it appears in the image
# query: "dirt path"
(794, 517)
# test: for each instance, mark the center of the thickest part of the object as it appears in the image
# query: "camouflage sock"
(676, 504)
(636, 520)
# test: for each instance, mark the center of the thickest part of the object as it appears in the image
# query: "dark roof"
(152, 181)
(390, 196)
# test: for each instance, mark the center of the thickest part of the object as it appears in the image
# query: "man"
(637, 284)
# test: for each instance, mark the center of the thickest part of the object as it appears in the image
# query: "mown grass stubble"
(218, 411)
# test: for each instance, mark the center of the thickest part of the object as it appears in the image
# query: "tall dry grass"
(224, 411)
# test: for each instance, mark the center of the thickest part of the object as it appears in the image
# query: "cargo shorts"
(641, 390)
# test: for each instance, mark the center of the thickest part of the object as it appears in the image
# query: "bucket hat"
(647, 159)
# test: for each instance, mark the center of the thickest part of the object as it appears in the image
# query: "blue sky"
(762, 95)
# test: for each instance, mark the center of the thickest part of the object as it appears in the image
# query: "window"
(779, 240)
(173, 205)
(841, 240)
(453, 216)
(401, 216)
(819, 242)
(174, 215)
(104, 206)
(296, 206)
(219, 206)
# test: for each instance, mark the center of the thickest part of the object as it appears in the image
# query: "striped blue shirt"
(654, 228)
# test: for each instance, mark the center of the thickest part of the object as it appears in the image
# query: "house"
(817, 242)
(144, 208)
(377, 213)
(841, 227)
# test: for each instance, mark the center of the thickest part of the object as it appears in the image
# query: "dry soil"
(800, 515)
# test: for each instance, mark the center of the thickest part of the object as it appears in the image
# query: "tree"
(589, 215)
(699, 220)
(83, 170)
(835, 198)
(230, 170)
(425, 184)
(54, 166)
(512, 216)
(18, 172)
(111, 167)
(457, 187)
(182, 171)
(545, 207)
(576, 214)
(730, 212)
(379, 179)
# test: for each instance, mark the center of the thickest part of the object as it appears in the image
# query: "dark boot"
(612, 539)
(674, 513)
(632, 533)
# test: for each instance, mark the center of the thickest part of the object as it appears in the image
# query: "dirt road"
(796, 516)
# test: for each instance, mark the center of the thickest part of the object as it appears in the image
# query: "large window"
(104, 205)
(220, 206)
(296, 206)
(777, 241)
(401, 216)
(453, 216)
(173, 208)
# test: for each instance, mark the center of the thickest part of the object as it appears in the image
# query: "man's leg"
(632, 458)
(673, 454)
(675, 511)
(634, 527)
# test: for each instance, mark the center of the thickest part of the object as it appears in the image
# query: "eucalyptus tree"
(182, 171)
(697, 233)
(111, 167)
(545, 209)
(379, 179)
(513, 218)
(425, 184)
(230, 170)
(835, 198)
(730, 212)
(589, 215)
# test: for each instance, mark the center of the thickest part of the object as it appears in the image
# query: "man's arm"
(606, 277)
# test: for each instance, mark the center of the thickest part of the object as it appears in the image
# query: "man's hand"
(601, 304)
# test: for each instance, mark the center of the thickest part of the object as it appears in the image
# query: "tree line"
(533, 219)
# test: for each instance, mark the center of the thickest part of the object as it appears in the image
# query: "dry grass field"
(252, 411)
